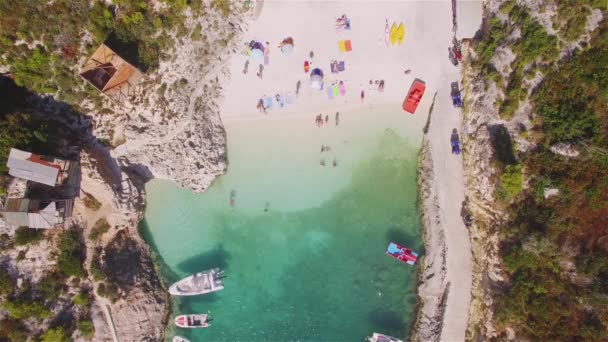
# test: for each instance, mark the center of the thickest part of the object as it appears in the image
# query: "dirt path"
(449, 183)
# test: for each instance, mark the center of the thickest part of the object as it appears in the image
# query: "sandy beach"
(428, 33)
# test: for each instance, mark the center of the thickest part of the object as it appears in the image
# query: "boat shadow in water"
(403, 238)
(388, 320)
(216, 257)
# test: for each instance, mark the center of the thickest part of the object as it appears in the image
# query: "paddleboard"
(393, 34)
(386, 34)
(400, 33)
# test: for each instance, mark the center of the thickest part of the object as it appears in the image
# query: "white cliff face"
(172, 129)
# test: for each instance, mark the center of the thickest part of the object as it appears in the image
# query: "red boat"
(401, 253)
(414, 96)
(192, 321)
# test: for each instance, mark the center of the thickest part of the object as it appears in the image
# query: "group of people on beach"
(319, 121)
(378, 83)
(334, 163)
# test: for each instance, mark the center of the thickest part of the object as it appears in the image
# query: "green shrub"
(196, 33)
(495, 35)
(51, 286)
(100, 228)
(23, 309)
(511, 182)
(55, 335)
(82, 299)
(25, 236)
(86, 329)
(535, 41)
(13, 330)
(33, 72)
(6, 282)
(503, 146)
(71, 254)
(109, 291)
(95, 266)
(223, 6)
(91, 202)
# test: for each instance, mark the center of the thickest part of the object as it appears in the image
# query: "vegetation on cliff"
(554, 248)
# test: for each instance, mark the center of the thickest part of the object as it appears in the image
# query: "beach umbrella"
(256, 54)
(316, 82)
(257, 45)
(287, 45)
(316, 71)
(286, 48)
(267, 102)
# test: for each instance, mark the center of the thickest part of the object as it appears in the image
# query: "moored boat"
(402, 254)
(198, 283)
(180, 339)
(376, 337)
(192, 321)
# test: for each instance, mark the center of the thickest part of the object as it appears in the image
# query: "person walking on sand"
(326, 119)
(335, 163)
(261, 71)
(362, 95)
(337, 118)
(246, 67)
(298, 85)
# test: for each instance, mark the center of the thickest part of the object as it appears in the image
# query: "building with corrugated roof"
(45, 214)
(40, 169)
(110, 74)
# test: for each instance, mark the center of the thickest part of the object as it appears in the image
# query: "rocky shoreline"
(432, 288)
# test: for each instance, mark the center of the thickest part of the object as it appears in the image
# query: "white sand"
(428, 33)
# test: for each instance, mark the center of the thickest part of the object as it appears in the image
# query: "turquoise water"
(312, 267)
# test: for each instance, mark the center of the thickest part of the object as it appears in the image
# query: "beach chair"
(348, 45)
(341, 66)
(342, 46)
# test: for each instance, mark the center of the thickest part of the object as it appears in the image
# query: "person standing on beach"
(261, 71)
(337, 118)
(311, 54)
(298, 85)
(362, 95)
(326, 119)
(246, 67)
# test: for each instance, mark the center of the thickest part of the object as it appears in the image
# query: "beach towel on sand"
(334, 66)
(330, 93)
(345, 45)
(341, 66)
(336, 90)
(342, 89)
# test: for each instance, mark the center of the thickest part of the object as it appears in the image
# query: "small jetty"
(376, 337)
(192, 321)
(198, 283)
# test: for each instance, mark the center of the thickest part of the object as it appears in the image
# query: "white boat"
(192, 321)
(376, 337)
(198, 283)
(180, 339)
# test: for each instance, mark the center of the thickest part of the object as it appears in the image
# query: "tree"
(55, 335)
